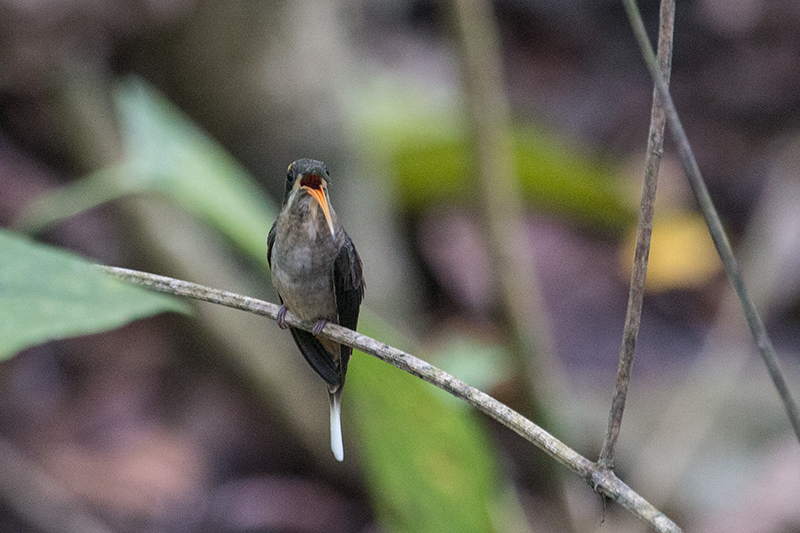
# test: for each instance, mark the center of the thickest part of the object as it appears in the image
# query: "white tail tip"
(337, 445)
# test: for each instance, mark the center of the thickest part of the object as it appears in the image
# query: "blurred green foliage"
(430, 466)
(166, 154)
(48, 293)
(422, 137)
(552, 177)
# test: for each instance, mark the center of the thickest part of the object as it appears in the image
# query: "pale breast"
(305, 286)
(302, 268)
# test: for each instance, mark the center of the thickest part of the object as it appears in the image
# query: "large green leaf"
(179, 160)
(47, 293)
(428, 461)
(167, 154)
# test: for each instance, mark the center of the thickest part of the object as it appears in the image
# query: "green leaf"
(167, 154)
(48, 293)
(178, 159)
(422, 134)
(552, 176)
(428, 461)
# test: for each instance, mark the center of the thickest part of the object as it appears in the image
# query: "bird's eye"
(289, 177)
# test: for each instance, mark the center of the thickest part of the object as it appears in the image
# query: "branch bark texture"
(602, 481)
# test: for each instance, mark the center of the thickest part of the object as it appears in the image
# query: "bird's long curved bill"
(319, 196)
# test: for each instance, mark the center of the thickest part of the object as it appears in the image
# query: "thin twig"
(603, 481)
(502, 213)
(502, 209)
(713, 222)
(692, 415)
(644, 230)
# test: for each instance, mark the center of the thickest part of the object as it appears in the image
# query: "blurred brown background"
(213, 422)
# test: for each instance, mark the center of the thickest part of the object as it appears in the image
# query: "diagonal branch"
(692, 170)
(644, 230)
(603, 481)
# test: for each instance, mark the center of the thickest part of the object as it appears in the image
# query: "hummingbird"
(317, 272)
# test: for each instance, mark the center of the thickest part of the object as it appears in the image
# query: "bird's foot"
(281, 318)
(319, 326)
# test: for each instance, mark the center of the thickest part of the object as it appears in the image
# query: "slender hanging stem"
(692, 170)
(644, 229)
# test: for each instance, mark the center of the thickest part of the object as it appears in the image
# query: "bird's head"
(307, 176)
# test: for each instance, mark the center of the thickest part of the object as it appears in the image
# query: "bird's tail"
(337, 444)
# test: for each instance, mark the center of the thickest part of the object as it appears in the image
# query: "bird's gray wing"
(348, 284)
(271, 241)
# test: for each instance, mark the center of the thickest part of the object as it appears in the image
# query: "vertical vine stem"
(501, 206)
(692, 171)
(502, 223)
(644, 230)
